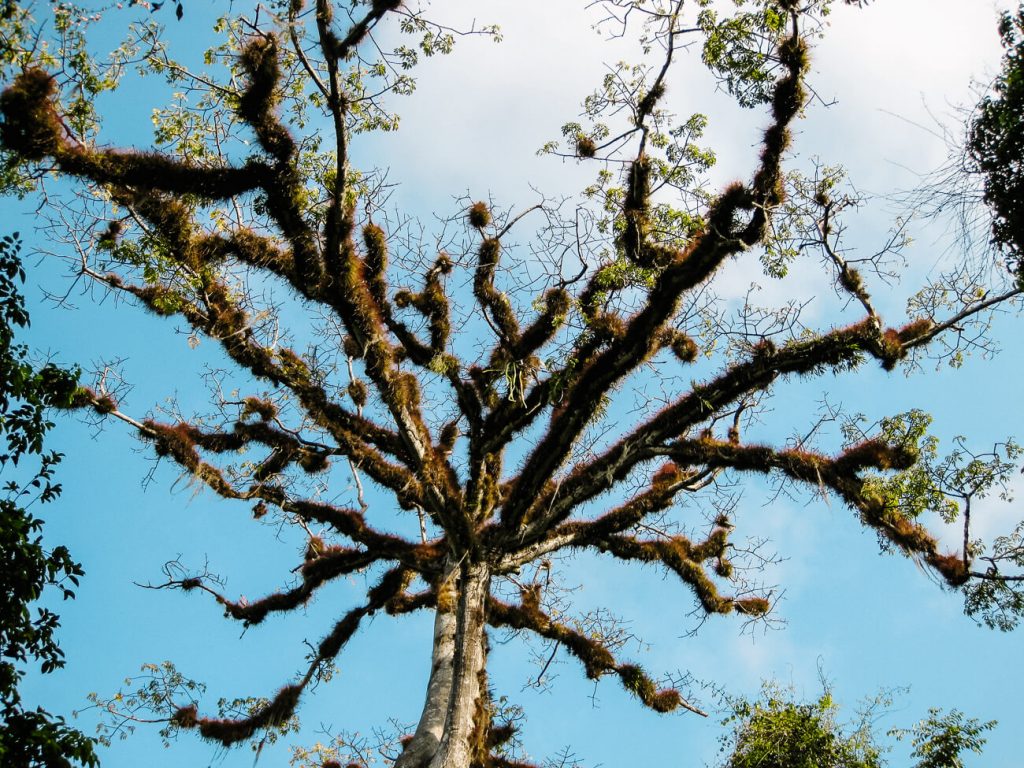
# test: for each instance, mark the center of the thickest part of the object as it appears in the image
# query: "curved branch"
(282, 706)
(597, 660)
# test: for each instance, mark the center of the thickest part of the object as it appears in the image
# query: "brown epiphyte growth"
(186, 717)
(586, 147)
(479, 215)
(31, 125)
(651, 98)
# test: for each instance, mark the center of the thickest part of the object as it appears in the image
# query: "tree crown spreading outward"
(479, 394)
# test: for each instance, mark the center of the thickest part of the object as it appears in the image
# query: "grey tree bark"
(454, 709)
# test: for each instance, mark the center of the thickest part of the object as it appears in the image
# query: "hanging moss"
(229, 732)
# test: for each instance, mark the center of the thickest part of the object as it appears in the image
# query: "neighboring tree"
(29, 738)
(940, 739)
(996, 143)
(485, 425)
(777, 731)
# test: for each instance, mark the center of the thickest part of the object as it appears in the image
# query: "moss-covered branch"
(597, 660)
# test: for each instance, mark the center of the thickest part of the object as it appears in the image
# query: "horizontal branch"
(684, 558)
(839, 474)
(323, 564)
(597, 660)
(836, 349)
(283, 705)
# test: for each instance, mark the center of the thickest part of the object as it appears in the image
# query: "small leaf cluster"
(993, 601)
(737, 50)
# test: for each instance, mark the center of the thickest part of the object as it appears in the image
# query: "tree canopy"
(446, 411)
(996, 142)
(778, 731)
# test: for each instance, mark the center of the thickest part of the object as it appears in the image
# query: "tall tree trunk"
(448, 729)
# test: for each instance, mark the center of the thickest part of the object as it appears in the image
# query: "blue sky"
(896, 72)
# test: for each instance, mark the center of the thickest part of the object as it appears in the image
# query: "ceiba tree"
(482, 413)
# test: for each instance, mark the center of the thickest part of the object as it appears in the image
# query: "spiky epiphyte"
(586, 147)
(479, 215)
(185, 717)
(752, 606)
(668, 475)
(650, 99)
(358, 391)
(30, 124)
(915, 329)
(684, 347)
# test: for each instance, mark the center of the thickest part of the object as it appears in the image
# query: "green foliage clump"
(777, 731)
(913, 491)
(950, 486)
(995, 602)
(737, 50)
(29, 738)
(996, 144)
(939, 739)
